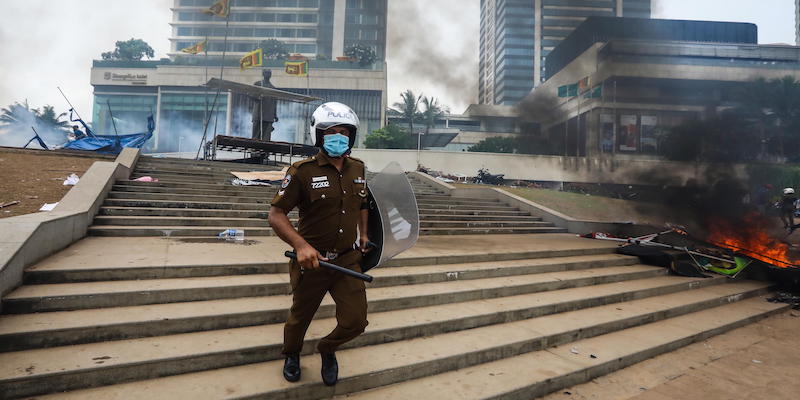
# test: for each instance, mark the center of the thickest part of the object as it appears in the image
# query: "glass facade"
(182, 119)
(513, 48)
(129, 114)
(305, 26)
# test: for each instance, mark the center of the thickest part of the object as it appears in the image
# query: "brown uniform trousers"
(309, 288)
(330, 203)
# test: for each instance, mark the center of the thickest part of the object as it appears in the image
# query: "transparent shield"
(397, 227)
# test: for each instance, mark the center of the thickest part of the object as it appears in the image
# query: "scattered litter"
(445, 180)
(786, 297)
(146, 179)
(574, 350)
(758, 362)
(48, 206)
(249, 182)
(261, 175)
(233, 234)
(592, 356)
(32, 197)
(568, 393)
(71, 180)
(10, 203)
(452, 275)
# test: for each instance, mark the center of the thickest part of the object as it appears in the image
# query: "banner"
(252, 59)
(221, 9)
(607, 133)
(649, 143)
(628, 133)
(296, 68)
(197, 48)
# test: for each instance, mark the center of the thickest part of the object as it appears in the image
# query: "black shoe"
(330, 368)
(291, 368)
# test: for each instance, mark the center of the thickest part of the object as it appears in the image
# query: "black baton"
(354, 274)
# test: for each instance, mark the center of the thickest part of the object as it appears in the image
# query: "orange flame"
(752, 240)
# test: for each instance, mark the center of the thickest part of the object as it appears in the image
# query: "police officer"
(330, 191)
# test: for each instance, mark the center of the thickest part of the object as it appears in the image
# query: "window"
(264, 32)
(309, 3)
(307, 18)
(287, 17)
(182, 31)
(305, 48)
(286, 32)
(266, 17)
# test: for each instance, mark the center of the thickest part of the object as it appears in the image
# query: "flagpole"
(205, 90)
(216, 96)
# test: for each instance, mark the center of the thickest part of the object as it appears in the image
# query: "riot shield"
(393, 216)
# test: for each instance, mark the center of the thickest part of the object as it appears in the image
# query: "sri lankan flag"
(252, 59)
(584, 84)
(221, 8)
(296, 68)
(197, 48)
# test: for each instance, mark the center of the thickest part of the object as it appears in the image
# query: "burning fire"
(751, 239)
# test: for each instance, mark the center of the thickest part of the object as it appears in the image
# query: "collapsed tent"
(113, 144)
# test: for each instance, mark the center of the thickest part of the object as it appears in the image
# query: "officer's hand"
(364, 244)
(308, 257)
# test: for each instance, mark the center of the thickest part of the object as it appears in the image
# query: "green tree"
(408, 108)
(274, 49)
(431, 111)
(130, 50)
(390, 136)
(364, 54)
(497, 144)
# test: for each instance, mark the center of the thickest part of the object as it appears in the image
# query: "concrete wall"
(29, 238)
(620, 169)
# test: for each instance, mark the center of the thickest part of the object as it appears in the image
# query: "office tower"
(517, 35)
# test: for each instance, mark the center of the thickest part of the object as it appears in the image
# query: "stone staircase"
(503, 325)
(195, 198)
(446, 322)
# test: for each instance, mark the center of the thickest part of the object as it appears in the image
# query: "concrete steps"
(402, 348)
(211, 231)
(197, 199)
(385, 293)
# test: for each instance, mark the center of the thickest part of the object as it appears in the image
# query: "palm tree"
(408, 108)
(47, 116)
(432, 110)
(17, 114)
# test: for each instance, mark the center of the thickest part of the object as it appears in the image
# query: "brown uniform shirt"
(329, 201)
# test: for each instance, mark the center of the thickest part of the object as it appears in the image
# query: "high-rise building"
(517, 35)
(308, 27)
(797, 21)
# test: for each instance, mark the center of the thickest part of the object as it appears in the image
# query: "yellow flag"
(252, 59)
(297, 68)
(221, 8)
(197, 48)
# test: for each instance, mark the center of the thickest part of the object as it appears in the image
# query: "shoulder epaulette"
(356, 159)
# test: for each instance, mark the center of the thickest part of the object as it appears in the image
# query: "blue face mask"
(336, 144)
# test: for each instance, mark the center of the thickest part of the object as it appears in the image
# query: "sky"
(432, 44)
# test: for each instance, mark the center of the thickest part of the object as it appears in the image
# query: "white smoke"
(18, 132)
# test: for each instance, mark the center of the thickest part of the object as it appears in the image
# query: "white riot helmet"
(329, 115)
(787, 191)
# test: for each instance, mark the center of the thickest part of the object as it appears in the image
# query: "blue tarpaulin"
(113, 144)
